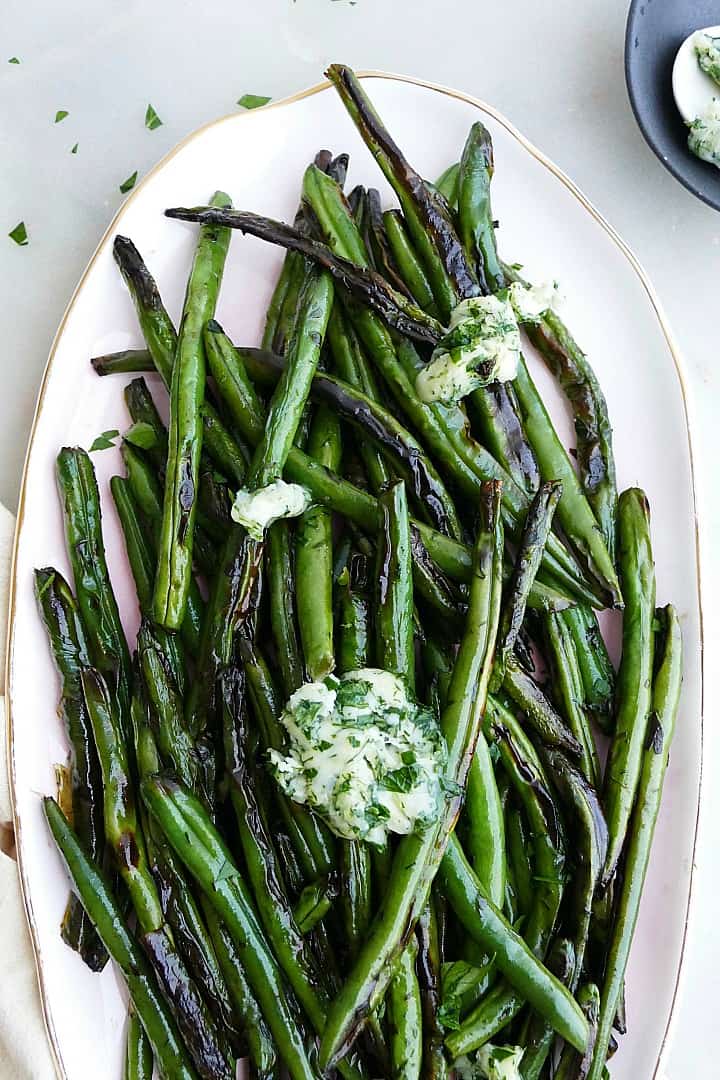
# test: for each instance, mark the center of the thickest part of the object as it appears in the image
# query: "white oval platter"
(546, 224)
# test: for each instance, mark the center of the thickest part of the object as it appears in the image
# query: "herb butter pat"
(707, 51)
(704, 136)
(257, 510)
(482, 343)
(363, 754)
(491, 1063)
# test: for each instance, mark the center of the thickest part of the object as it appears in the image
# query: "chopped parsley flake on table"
(129, 184)
(253, 101)
(19, 234)
(152, 120)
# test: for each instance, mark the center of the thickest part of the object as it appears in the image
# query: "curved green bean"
(665, 701)
(314, 557)
(405, 1016)
(66, 637)
(187, 391)
(395, 648)
(97, 899)
(634, 693)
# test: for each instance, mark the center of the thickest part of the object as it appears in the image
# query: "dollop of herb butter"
(482, 343)
(707, 51)
(704, 136)
(491, 1063)
(363, 754)
(256, 510)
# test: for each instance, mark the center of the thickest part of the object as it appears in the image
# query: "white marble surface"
(555, 69)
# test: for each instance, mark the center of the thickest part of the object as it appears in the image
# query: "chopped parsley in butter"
(704, 136)
(707, 50)
(363, 754)
(491, 1063)
(256, 510)
(482, 343)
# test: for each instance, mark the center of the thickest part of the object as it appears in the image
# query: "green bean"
(351, 365)
(405, 1016)
(596, 461)
(221, 447)
(571, 1065)
(230, 608)
(429, 976)
(573, 512)
(312, 905)
(406, 258)
(518, 849)
(530, 980)
(107, 917)
(485, 835)
(354, 857)
(539, 712)
(378, 244)
(634, 683)
(567, 681)
(255, 1031)
(272, 334)
(187, 391)
(417, 857)
(314, 557)
(193, 938)
(141, 564)
(531, 786)
(122, 831)
(106, 642)
(175, 741)
(233, 384)
(292, 391)
(138, 1052)
(353, 616)
(434, 587)
(123, 362)
(537, 1036)
(147, 495)
(66, 638)
(587, 818)
(475, 217)
(155, 323)
(596, 670)
(494, 410)
(280, 569)
(197, 843)
(356, 894)
(426, 215)
(161, 340)
(665, 700)
(527, 563)
(395, 647)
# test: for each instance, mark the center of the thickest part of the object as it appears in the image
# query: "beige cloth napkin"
(24, 1050)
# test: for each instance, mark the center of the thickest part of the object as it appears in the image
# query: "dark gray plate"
(655, 31)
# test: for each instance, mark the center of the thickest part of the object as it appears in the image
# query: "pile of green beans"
(458, 548)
